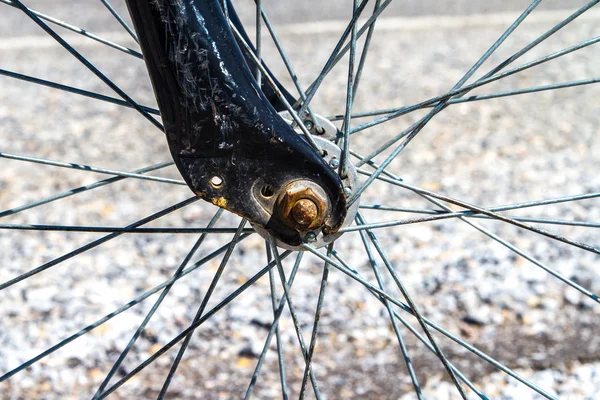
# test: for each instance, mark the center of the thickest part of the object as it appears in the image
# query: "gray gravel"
(488, 153)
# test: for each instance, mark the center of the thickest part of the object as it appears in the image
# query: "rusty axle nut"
(303, 205)
(305, 212)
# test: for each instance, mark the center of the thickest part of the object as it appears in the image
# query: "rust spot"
(219, 202)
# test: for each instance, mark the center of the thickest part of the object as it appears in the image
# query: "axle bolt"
(305, 212)
(303, 205)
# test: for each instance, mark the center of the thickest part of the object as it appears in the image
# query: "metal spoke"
(399, 182)
(80, 189)
(413, 306)
(440, 214)
(518, 206)
(273, 329)
(207, 296)
(482, 82)
(121, 20)
(195, 325)
(377, 291)
(344, 157)
(280, 359)
(496, 216)
(315, 330)
(439, 107)
(96, 243)
(80, 31)
(403, 349)
(312, 89)
(365, 50)
(480, 97)
(156, 304)
(108, 229)
(276, 89)
(416, 333)
(83, 167)
(87, 64)
(257, 72)
(288, 66)
(520, 252)
(118, 311)
(292, 310)
(490, 76)
(74, 90)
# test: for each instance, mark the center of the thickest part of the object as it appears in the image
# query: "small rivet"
(348, 191)
(309, 125)
(334, 163)
(311, 237)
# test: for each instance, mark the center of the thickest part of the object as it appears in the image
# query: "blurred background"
(493, 152)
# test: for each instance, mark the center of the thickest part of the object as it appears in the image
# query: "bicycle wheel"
(469, 270)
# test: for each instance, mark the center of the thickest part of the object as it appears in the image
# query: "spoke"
(413, 307)
(107, 229)
(315, 330)
(416, 333)
(96, 243)
(288, 66)
(257, 72)
(80, 31)
(542, 38)
(276, 89)
(536, 203)
(440, 214)
(207, 296)
(80, 189)
(82, 167)
(280, 359)
(113, 314)
(156, 304)
(473, 98)
(273, 329)
(312, 90)
(377, 291)
(490, 76)
(403, 349)
(389, 143)
(71, 89)
(496, 216)
(520, 252)
(480, 97)
(356, 195)
(195, 325)
(87, 64)
(399, 182)
(344, 158)
(292, 310)
(439, 107)
(365, 51)
(121, 20)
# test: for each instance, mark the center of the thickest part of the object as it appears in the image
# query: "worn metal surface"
(218, 122)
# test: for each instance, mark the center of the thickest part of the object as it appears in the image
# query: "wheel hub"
(303, 204)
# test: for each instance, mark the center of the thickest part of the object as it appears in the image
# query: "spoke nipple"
(311, 237)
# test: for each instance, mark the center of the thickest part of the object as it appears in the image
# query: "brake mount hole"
(267, 191)
(216, 181)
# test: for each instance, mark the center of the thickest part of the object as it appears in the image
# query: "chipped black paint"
(218, 122)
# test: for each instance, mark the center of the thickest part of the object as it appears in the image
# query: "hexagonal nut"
(300, 214)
